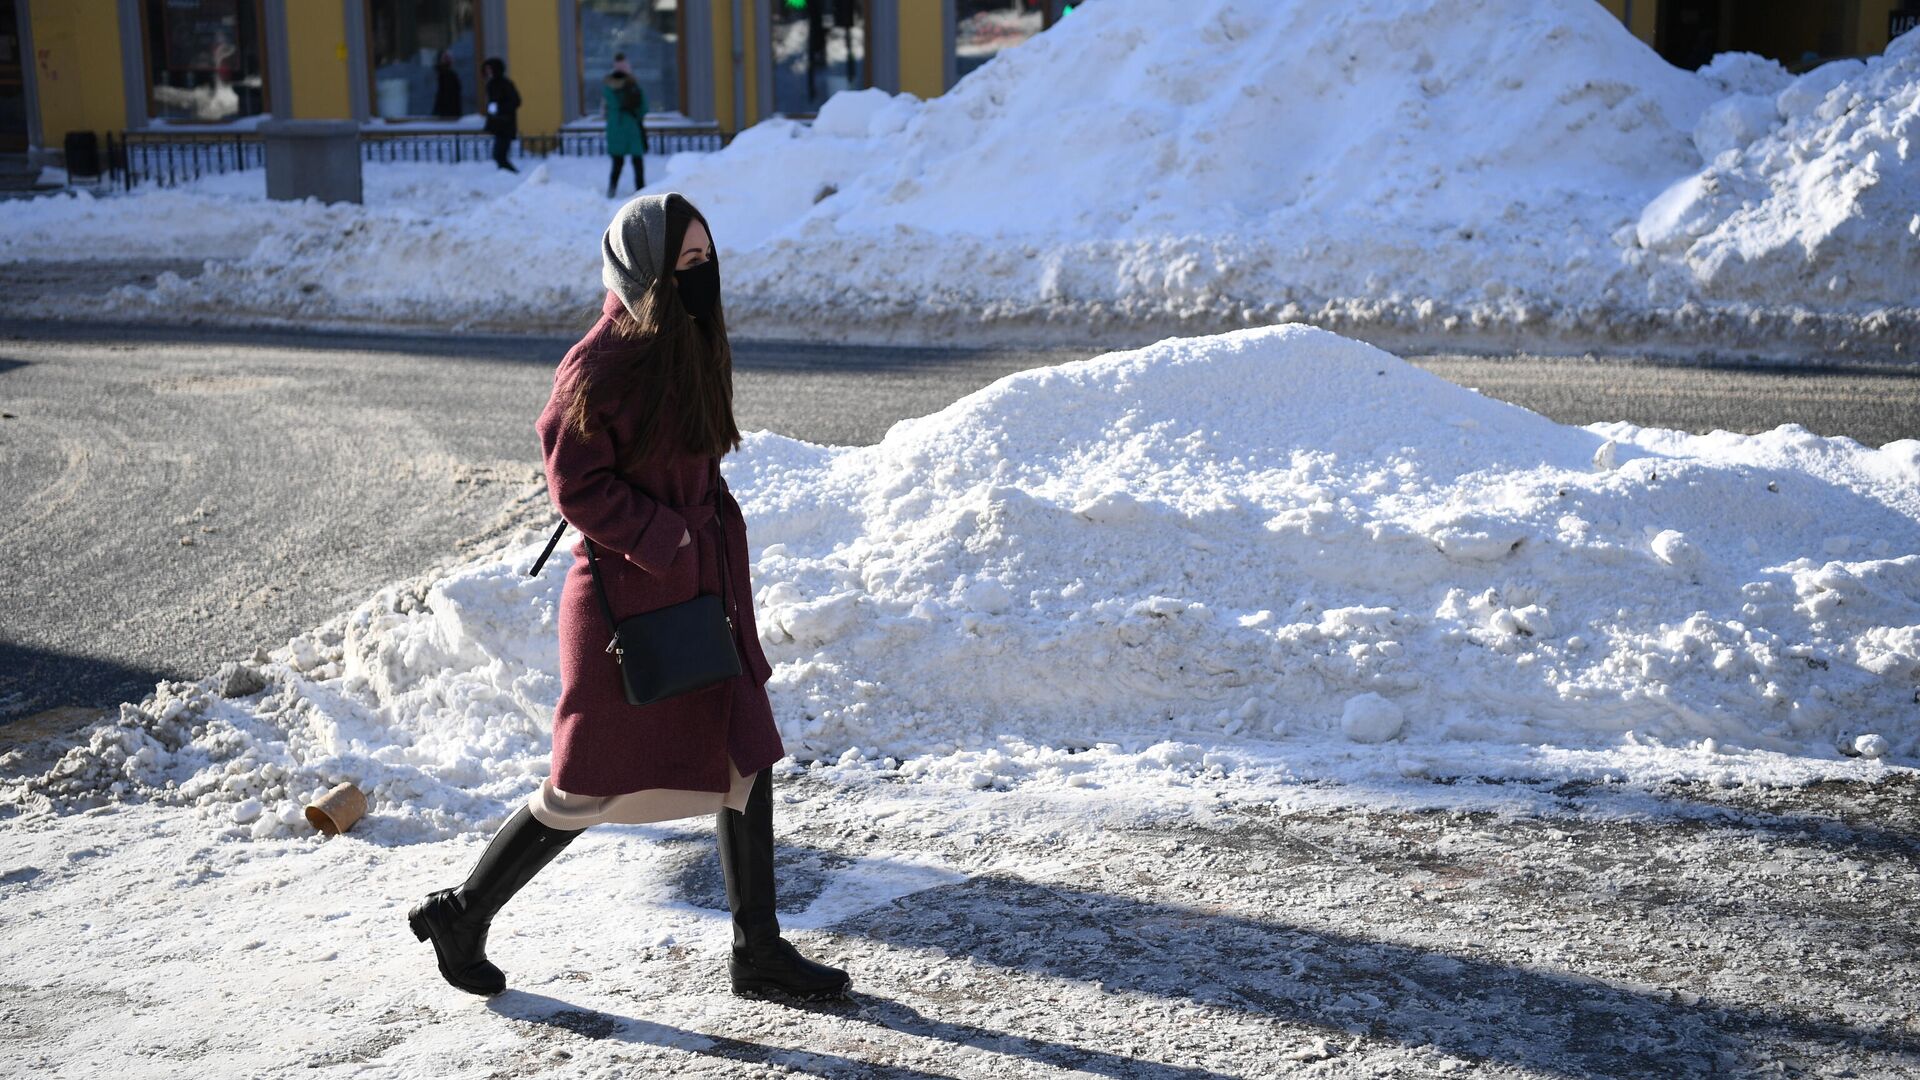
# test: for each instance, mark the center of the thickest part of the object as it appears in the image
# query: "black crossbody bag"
(676, 649)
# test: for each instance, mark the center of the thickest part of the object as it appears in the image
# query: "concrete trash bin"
(317, 159)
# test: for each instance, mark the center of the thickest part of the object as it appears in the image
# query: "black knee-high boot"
(762, 960)
(457, 919)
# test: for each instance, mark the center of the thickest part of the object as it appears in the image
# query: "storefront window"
(204, 59)
(647, 32)
(13, 101)
(984, 27)
(819, 49)
(426, 58)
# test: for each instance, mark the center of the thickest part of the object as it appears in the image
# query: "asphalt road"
(178, 497)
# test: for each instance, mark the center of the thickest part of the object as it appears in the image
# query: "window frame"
(679, 62)
(766, 57)
(146, 67)
(373, 88)
(1049, 15)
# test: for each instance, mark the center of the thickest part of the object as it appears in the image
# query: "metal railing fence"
(168, 158)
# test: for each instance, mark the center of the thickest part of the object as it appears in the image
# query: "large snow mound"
(1275, 553)
(1264, 153)
(1513, 170)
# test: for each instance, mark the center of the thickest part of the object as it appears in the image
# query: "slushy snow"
(1265, 557)
(1419, 169)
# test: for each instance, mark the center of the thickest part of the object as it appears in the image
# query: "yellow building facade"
(109, 66)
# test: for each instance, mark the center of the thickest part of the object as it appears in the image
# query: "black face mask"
(699, 289)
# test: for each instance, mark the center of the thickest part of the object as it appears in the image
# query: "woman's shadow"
(560, 1016)
(1345, 987)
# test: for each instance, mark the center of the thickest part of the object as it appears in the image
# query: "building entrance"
(1799, 35)
(13, 81)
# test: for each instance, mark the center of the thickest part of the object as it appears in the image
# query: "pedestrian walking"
(446, 94)
(503, 110)
(626, 108)
(640, 415)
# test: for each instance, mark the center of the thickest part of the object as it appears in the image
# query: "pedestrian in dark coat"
(446, 95)
(641, 413)
(503, 110)
(625, 104)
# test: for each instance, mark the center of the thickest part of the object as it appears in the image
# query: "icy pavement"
(1433, 930)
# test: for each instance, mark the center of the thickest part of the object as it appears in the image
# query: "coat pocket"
(641, 591)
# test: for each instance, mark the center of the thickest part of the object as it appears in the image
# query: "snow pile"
(1509, 171)
(1273, 554)
(1236, 537)
(1809, 193)
(1416, 165)
(1253, 160)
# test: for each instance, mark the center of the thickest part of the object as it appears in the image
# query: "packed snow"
(1272, 556)
(1418, 170)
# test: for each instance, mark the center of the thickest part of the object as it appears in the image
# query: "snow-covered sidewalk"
(1438, 930)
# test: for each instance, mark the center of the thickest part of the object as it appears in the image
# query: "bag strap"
(600, 590)
(551, 541)
(716, 488)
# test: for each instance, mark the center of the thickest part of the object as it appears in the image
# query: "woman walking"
(641, 412)
(626, 107)
(503, 110)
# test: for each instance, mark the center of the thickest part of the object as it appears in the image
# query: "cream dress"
(558, 809)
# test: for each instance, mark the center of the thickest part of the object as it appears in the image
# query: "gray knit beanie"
(634, 250)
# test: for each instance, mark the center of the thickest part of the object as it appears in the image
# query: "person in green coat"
(626, 106)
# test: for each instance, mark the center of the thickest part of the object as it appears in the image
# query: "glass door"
(13, 84)
(819, 48)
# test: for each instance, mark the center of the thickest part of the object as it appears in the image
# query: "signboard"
(1899, 22)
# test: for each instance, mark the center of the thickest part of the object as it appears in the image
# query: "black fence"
(166, 158)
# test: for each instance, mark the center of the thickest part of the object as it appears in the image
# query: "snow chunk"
(1370, 718)
(1672, 547)
(1802, 96)
(1746, 73)
(1732, 123)
(1871, 746)
(862, 114)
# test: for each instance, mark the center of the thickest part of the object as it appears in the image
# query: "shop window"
(204, 59)
(819, 48)
(425, 58)
(647, 32)
(984, 27)
(13, 100)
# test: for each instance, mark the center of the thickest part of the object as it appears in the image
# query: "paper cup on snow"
(337, 810)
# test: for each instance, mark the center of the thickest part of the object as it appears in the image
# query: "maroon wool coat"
(601, 744)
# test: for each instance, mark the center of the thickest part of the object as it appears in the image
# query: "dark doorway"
(13, 81)
(1799, 35)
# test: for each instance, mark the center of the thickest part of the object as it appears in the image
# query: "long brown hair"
(661, 356)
